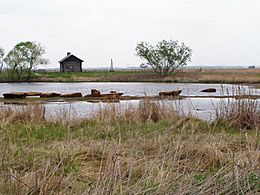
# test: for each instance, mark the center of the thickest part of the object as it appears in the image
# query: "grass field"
(247, 76)
(192, 76)
(150, 149)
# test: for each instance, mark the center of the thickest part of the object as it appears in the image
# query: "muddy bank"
(122, 98)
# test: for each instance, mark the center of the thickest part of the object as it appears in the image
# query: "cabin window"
(70, 68)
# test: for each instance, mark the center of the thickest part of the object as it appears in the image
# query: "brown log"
(32, 93)
(71, 95)
(170, 93)
(209, 90)
(15, 95)
(49, 95)
(113, 96)
(95, 93)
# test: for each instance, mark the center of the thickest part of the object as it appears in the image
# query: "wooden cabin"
(71, 63)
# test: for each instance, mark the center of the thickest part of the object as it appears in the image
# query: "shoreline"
(135, 81)
(122, 98)
(213, 76)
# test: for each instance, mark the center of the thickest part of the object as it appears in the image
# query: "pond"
(135, 89)
(204, 108)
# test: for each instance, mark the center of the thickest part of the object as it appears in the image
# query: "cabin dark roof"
(69, 56)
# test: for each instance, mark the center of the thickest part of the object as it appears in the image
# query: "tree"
(2, 53)
(25, 56)
(15, 62)
(32, 55)
(165, 57)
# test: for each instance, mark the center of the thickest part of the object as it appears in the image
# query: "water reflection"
(203, 108)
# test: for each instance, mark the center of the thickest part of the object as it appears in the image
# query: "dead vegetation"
(148, 149)
(28, 114)
(243, 112)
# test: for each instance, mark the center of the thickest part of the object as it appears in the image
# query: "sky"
(220, 32)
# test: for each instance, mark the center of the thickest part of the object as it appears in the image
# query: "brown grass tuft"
(145, 111)
(25, 114)
(240, 114)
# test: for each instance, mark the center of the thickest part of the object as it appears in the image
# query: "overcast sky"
(220, 32)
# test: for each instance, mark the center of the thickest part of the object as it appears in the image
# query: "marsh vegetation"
(148, 149)
(231, 76)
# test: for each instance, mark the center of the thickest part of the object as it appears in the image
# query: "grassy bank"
(188, 76)
(150, 149)
(233, 76)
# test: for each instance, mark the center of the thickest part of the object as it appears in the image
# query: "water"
(137, 89)
(203, 108)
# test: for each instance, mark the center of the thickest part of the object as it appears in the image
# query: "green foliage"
(199, 179)
(165, 57)
(254, 182)
(16, 62)
(2, 53)
(25, 56)
(71, 168)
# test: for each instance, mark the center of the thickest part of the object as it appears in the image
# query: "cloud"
(219, 31)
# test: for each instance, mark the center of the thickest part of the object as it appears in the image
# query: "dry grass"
(218, 76)
(25, 114)
(240, 113)
(204, 75)
(148, 149)
(147, 110)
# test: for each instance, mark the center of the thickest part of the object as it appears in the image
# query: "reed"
(145, 111)
(241, 113)
(26, 114)
(143, 149)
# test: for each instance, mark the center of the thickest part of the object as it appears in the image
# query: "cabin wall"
(71, 66)
(61, 67)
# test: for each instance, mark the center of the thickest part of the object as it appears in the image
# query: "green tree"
(32, 55)
(165, 57)
(24, 57)
(15, 62)
(2, 53)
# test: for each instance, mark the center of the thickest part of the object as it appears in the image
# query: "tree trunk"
(1, 66)
(29, 74)
(12, 73)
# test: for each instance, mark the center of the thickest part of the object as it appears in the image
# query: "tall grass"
(189, 75)
(243, 112)
(148, 149)
(25, 114)
(145, 111)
